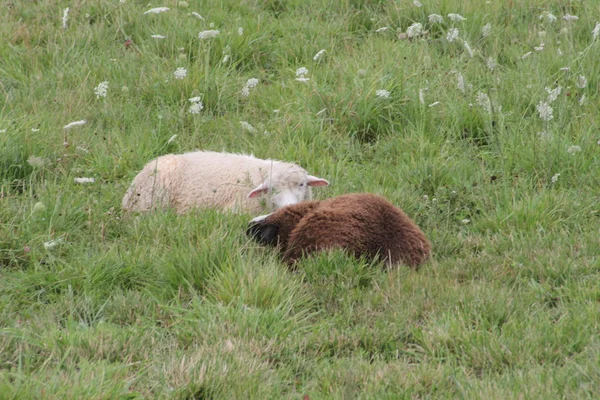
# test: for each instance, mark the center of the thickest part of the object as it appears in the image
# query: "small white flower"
(468, 48)
(52, 243)
(596, 31)
(225, 58)
(196, 106)
(460, 82)
(252, 82)
(456, 17)
(158, 36)
(245, 91)
(452, 34)
(465, 221)
(64, 17)
(35, 130)
(486, 30)
(569, 17)
(483, 100)
(582, 100)
(171, 139)
(581, 82)
(75, 123)
(303, 79)
(553, 93)
(524, 56)
(573, 149)
(417, 3)
(548, 17)
(276, 111)
(554, 178)
(240, 31)
(85, 180)
(414, 30)
(211, 25)
(196, 99)
(200, 17)
(435, 18)
(425, 197)
(180, 73)
(540, 47)
(157, 10)
(385, 28)
(246, 126)
(208, 34)
(382, 93)
(491, 63)
(560, 52)
(565, 69)
(301, 71)
(434, 104)
(2, 130)
(318, 55)
(101, 89)
(545, 111)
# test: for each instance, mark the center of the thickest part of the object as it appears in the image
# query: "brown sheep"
(361, 223)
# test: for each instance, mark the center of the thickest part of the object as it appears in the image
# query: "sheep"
(224, 181)
(363, 224)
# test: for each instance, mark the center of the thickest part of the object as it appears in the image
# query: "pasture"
(480, 119)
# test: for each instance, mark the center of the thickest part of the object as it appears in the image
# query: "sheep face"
(287, 188)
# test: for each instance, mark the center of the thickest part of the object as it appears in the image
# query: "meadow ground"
(485, 130)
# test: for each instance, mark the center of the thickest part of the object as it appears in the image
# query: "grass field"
(486, 131)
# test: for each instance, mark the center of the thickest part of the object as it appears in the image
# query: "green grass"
(98, 304)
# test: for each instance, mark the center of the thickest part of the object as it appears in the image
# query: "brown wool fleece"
(363, 224)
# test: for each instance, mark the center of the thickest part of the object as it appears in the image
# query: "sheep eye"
(302, 184)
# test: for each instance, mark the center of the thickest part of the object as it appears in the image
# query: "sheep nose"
(253, 229)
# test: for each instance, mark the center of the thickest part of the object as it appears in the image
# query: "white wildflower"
(52, 243)
(565, 69)
(554, 178)
(64, 17)
(85, 180)
(468, 48)
(452, 34)
(2, 130)
(483, 100)
(300, 74)
(319, 55)
(196, 106)
(158, 36)
(436, 18)
(211, 25)
(35, 130)
(582, 100)
(240, 31)
(581, 82)
(252, 82)
(245, 91)
(382, 29)
(246, 126)
(460, 82)
(200, 17)
(303, 79)
(524, 56)
(180, 73)
(157, 10)
(548, 17)
(171, 139)
(36, 162)
(553, 93)
(101, 89)
(383, 94)
(456, 17)
(414, 30)
(225, 58)
(569, 17)
(545, 111)
(491, 63)
(573, 149)
(540, 47)
(208, 34)
(559, 51)
(465, 221)
(75, 123)
(417, 3)
(434, 104)
(596, 31)
(486, 30)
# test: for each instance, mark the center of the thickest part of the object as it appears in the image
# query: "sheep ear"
(260, 189)
(314, 181)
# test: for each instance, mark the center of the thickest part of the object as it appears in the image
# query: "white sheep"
(224, 181)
